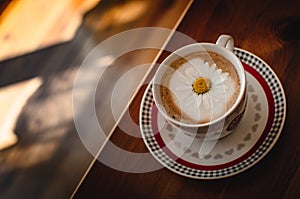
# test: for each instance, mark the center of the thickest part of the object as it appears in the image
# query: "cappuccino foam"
(180, 100)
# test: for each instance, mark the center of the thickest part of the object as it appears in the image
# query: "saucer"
(253, 138)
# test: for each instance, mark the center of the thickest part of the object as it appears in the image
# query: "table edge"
(132, 98)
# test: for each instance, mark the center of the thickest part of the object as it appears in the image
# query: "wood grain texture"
(3, 5)
(27, 25)
(49, 159)
(269, 29)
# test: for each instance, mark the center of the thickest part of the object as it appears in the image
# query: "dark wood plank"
(3, 5)
(269, 29)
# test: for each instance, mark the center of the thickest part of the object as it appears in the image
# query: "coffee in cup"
(201, 88)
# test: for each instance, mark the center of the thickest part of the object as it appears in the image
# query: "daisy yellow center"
(201, 85)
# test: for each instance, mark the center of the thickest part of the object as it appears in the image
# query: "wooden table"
(270, 30)
(49, 158)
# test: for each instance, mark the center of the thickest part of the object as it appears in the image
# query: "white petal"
(189, 99)
(219, 78)
(211, 70)
(199, 100)
(199, 65)
(224, 75)
(191, 73)
(196, 62)
(218, 89)
(207, 100)
(203, 69)
(185, 88)
(216, 96)
(181, 78)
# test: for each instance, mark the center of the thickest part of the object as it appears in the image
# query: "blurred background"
(43, 44)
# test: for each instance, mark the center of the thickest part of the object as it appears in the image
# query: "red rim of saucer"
(267, 128)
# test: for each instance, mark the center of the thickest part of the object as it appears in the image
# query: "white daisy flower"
(200, 89)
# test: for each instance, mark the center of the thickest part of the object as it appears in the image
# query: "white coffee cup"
(225, 123)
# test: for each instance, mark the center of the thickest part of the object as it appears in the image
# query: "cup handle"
(226, 41)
